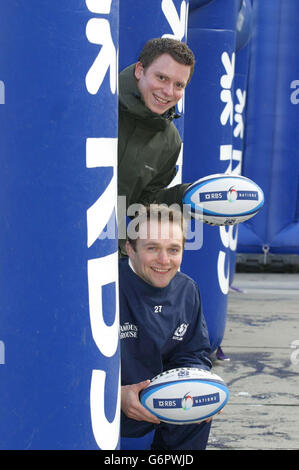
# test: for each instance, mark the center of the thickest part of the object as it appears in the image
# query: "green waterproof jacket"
(148, 148)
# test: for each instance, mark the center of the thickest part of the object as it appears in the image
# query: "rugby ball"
(223, 199)
(185, 395)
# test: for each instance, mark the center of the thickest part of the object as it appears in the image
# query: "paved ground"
(263, 372)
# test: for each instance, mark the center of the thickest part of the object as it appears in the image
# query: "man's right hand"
(131, 406)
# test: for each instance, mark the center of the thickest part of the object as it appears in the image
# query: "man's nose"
(168, 89)
(163, 257)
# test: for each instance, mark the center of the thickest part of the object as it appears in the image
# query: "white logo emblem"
(180, 331)
(128, 330)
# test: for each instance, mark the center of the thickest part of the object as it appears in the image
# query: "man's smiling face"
(162, 83)
(158, 254)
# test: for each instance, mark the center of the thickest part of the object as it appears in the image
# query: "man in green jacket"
(148, 141)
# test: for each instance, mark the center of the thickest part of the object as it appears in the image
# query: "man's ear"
(128, 248)
(138, 70)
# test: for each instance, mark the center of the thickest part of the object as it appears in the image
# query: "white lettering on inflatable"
(295, 94)
(222, 278)
(2, 353)
(99, 6)
(229, 235)
(239, 108)
(226, 83)
(2, 92)
(178, 25)
(102, 152)
(233, 237)
(226, 235)
(237, 157)
(106, 433)
(176, 22)
(226, 155)
(102, 271)
(98, 32)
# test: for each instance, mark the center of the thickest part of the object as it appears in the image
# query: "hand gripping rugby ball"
(185, 395)
(224, 199)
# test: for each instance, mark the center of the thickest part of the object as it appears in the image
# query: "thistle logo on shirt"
(128, 330)
(180, 331)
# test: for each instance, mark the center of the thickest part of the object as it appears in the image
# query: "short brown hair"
(161, 213)
(178, 50)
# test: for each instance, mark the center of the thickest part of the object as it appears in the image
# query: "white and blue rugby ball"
(224, 199)
(185, 395)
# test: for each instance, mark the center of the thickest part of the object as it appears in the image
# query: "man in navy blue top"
(161, 325)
